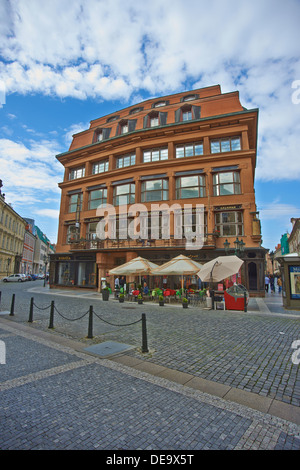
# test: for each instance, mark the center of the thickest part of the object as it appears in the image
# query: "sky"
(63, 64)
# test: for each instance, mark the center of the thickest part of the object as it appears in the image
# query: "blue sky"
(62, 66)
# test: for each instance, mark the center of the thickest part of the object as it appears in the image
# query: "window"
(124, 194)
(154, 119)
(126, 126)
(155, 155)
(190, 97)
(77, 173)
(75, 202)
(189, 150)
(126, 160)
(91, 231)
(101, 134)
(155, 190)
(226, 183)
(187, 112)
(159, 104)
(230, 144)
(229, 224)
(100, 167)
(136, 110)
(97, 197)
(73, 233)
(190, 186)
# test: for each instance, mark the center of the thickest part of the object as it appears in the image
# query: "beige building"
(12, 230)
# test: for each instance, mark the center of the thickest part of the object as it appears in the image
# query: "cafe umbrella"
(136, 266)
(180, 265)
(220, 268)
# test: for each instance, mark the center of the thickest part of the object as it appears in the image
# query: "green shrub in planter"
(161, 300)
(184, 302)
(105, 293)
(140, 298)
(121, 298)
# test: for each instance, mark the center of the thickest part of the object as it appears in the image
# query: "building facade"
(12, 229)
(190, 150)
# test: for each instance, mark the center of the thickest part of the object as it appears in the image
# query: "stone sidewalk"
(216, 380)
(56, 396)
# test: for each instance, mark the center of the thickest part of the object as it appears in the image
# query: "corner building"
(196, 147)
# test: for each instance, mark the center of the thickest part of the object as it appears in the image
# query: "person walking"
(267, 282)
(272, 283)
(117, 283)
(279, 284)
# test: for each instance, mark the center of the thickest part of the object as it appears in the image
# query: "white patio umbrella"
(180, 265)
(220, 268)
(136, 266)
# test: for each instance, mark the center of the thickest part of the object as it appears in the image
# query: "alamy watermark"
(137, 222)
(296, 93)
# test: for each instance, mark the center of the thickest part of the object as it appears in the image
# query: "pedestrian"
(267, 282)
(122, 282)
(279, 284)
(272, 283)
(117, 284)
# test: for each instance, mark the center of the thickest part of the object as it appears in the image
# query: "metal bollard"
(144, 334)
(12, 307)
(51, 322)
(30, 319)
(90, 327)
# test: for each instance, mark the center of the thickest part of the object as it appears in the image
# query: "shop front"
(73, 270)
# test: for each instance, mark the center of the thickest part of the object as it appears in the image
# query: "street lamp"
(238, 245)
(46, 262)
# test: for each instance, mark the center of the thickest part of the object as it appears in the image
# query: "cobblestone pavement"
(211, 379)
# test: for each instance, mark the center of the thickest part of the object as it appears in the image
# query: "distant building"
(294, 238)
(28, 251)
(12, 229)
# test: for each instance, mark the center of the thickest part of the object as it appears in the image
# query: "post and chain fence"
(89, 312)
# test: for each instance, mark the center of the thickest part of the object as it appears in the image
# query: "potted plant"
(184, 302)
(140, 298)
(161, 300)
(105, 293)
(121, 298)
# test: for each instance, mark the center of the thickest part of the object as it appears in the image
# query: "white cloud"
(111, 50)
(51, 213)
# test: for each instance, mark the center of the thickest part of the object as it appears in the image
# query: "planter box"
(161, 304)
(140, 301)
(121, 299)
(185, 305)
(105, 295)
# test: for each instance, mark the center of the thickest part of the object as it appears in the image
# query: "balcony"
(138, 244)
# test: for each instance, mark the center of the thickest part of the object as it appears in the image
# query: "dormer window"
(159, 104)
(190, 97)
(126, 126)
(187, 113)
(155, 118)
(101, 134)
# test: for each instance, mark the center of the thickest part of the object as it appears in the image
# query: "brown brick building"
(195, 147)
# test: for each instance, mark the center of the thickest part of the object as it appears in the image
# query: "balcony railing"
(125, 244)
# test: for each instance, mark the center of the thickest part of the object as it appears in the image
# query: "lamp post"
(46, 262)
(239, 246)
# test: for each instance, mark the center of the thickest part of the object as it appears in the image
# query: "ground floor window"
(77, 273)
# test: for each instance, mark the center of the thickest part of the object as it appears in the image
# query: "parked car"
(14, 278)
(33, 277)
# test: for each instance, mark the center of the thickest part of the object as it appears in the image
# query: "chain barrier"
(70, 319)
(91, 312)
(116, 324)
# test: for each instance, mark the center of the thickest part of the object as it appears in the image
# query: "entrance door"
(252, 276)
